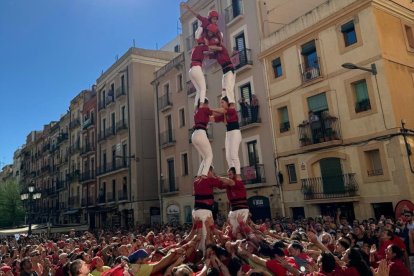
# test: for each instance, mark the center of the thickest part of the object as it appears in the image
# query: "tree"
(11, 207)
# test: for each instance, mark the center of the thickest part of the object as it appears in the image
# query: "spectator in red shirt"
(394, 255)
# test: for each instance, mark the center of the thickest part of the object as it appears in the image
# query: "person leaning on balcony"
(254, 106)
(244, 107)
(227, 113)
(199, 137)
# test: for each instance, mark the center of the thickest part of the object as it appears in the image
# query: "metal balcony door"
(171, 175)
(241, 48)
(332, 176)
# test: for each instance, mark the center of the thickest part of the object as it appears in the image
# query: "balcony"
(249, 117)
(75, 147)
(74, 201)
(164, 102)
(120, 92)
(101, 105)
(209, 133)
(87, 123)
(169, 185)
(253, 174)
(190, 88)
(233, 11)
(74, 123)
(87, 148)
(46, 147)
(62, 206)
(242, 59)
(340, 186)
(325, 129)
(110, 167)
(62, 137)
(310, 71)
(87, 176)
(122, 195)
(90, 201)
(110, 99)
(121, 125)
(84, 202)
(110, 131)
(101, 198)
(167, 138)
(101, 136)
(73, 176)
(60, 184)
(110, 197)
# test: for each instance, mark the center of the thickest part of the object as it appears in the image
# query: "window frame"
(289, 175)
(351, 95)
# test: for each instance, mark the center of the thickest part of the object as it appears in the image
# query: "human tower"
(209, 45)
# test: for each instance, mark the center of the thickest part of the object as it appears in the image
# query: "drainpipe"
(156, 84)
(407, 145)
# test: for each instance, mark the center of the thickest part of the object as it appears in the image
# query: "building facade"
(337, 132)
(126, 151)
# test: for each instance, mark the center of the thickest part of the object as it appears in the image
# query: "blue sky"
(52, 49)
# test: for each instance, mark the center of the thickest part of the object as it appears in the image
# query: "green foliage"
(11, 207)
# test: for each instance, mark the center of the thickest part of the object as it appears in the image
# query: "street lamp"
(30, 195)
(352, 66)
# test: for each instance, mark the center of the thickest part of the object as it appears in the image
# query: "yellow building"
(337, 131)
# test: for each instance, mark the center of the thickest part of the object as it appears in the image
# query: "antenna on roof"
(116, 57)
(133, 42)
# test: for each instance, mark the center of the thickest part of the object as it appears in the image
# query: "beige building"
(127, 189)
(337, 131)
(61, 179)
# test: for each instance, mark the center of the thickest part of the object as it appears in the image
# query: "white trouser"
(200, 141)
(198, 32)
(227, 83)
(233, 218)
(199, 82)
(232, 144)
(202, 214)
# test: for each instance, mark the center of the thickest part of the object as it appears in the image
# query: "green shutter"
(361, 91)
(318, 102)
(284, 115)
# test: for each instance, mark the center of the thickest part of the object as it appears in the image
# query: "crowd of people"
(311, 246)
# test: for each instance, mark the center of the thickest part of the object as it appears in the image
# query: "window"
(362, 102)
(194, 27)
(284, 119)
(253, 154)
(113, 189)
(177, 48)
(349, 34)
(291, 170)
(171, 175)
(277, 67)
(181, 115)
(240, 42)
(180, 82)
(123, 114)
(310, 66)
(124, 155)
(113, 123)
(374, 166)
(184, 163)
(236, 7)
(410, 35)
(123, 84)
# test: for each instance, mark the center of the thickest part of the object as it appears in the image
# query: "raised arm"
(227, 181)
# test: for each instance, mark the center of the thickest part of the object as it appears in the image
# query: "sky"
(50, 50)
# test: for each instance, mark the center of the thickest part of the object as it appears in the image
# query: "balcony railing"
(190, 88)
(322, 130)
(242, 58)
(110, 131)
(122, 195)
(344, 185)
(75, 147)
(73, 176)
(169, 185)
(253, 174)
(249, 116)
(120, 92)
(209, 133)
(110, 100)
(88, 175)
(101, 104)
(73, 200)
(233, 11)
(60, 184)
(62, 137)
(84, 202)
(167, 138)
(164, 101)
(110, 197)
(91, 201)
(101, 198)
(110, 167)
(46, 147)
(87, 123)
(375, 172)
(74, 123)
(311, 70)
(62, 206)
(87, 148)
(284, 127)
(121, 125)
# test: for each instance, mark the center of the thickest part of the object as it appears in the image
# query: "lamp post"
(30, 195)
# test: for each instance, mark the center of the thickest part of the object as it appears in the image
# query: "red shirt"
(237, 195)
(197, 56)
(204, 21)
(397, 268)
(203, 192)
(231, 116)
(202, 117)
(275, 267)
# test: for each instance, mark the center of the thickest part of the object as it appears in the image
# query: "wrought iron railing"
(338, 186)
